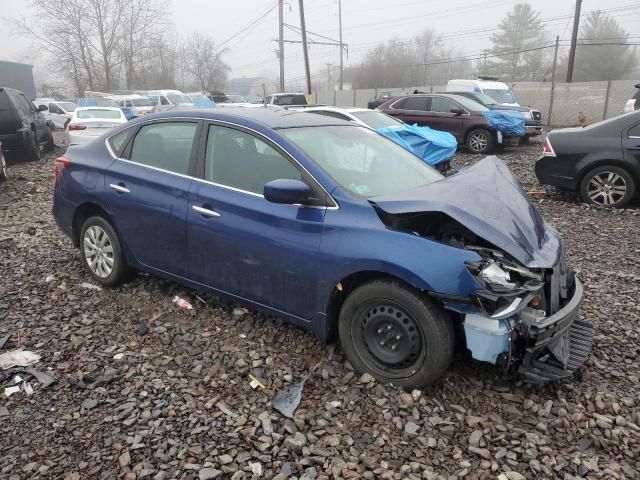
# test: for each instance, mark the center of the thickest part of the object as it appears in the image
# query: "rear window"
(290, 100)
(99, 113)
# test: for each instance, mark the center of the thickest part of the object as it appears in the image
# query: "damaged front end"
(524, 313)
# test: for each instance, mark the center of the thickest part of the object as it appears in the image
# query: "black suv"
(22, 127)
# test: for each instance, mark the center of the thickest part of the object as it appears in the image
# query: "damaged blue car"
(336, 229)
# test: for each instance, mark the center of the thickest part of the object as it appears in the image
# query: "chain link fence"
(595, 100)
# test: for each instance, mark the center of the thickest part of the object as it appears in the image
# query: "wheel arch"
(605, 162)
(84, 211)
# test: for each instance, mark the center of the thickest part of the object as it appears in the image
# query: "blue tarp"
(505, 121)
(432, 146)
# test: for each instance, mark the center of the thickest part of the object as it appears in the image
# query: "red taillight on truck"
(74, 126)
(548, 149)
(60, 164)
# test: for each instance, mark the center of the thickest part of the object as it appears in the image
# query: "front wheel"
(480, 141)
(607, 186)
(101, 252)
(395, 334)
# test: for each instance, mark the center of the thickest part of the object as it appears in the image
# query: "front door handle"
(205, 211)
(119, 188)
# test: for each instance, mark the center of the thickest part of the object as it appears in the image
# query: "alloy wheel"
(98, 251)
(607, 188)
(478, 142)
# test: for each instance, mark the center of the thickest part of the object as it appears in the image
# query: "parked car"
(601, 161)
(458, 115)
(168, 99)
(532, 118)
(384, 96)
(334, 228)
(286, 99)
(23, 128)
(89, 123)
(499, 91)
(108, 103)
(633, 103)
(219, 97)
(362, 116)
(236, 98)
(256, 99)
(201, 99)
(58, 111)
(3, 165)
(139, 104)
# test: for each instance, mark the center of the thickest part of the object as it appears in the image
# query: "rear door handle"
(119, 188)
(205, 211)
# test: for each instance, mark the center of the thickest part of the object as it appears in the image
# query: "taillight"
(548, 149)
(75, 126)
(60, 164)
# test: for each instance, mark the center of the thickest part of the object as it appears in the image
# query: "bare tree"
(204, 62)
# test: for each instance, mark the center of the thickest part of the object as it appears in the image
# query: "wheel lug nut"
(398, 337)
(379, 330)
(394, 347)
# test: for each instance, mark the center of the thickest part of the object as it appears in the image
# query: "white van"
(499, 91)
(166, 99)
(58, 111)
(138, 103)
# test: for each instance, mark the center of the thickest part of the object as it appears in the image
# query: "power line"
(249, 25)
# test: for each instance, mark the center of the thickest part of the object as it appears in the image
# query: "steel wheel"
(98, 251)
(607, 188)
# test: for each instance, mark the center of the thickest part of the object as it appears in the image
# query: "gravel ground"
(148, 390)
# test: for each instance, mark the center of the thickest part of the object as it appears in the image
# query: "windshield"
(361, 160)
(500, 96)
(67, 106)
(376, 119)
(99, 113)
(484, 99)
(178, 99)
(141, 102)
(290, 100)
(253, 98)
(469, 104)
(236, 98)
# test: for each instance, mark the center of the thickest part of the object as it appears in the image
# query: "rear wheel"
(101, 252)
(50, 144)
(31, 151)
(608, 186)
(395, 334)
(480, 141)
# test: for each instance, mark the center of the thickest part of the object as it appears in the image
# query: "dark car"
(384, 96)
(22, 127)
(601, 161)
(532, 118)
(458, 115)
(634, 102)
(335, 228)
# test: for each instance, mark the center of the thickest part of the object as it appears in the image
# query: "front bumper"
(532, 130)
(558, 344)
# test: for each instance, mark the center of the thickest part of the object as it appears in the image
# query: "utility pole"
(303, 27)
(574, 40)
(553, 79)
(328, 77)
(281, 42)
(340, 39)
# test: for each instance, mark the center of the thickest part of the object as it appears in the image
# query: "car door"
(631, 145)
(56, 115)
(148, 192)
(441, 117)
(31, 114)
(411, 110)
(239, 242)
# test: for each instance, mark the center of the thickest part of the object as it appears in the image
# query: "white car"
(363, 116)
(140, 104)
(58, 111)
(88, 123)
(164, 100)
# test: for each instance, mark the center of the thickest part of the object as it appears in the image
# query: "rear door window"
(119, 141)
(634, 131)
(442, 105)
(167, 146)
(416, 103)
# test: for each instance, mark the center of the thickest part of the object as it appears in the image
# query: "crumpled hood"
(488, 200)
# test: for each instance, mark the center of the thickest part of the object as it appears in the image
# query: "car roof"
(97, 107)
(270, 117)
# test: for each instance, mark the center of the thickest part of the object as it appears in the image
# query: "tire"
(31, 151)
(3, 168)
(607, 186)
(525, 140)
(109, 268)
(50, 145)
(395, 334)
(480, 141)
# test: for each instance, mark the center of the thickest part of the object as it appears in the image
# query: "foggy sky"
(365, 23)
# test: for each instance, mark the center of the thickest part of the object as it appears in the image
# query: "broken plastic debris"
(18, 358)
(200, 299)
(94, 379)
(118, 356)
(17, 379)
(238, 312)
(255, 383)
(243, 335)
(287, 401)
(28, 389)
(49, 278)
(226, 410)
(182, 303)
(90, 286)
(42, 378)
(11, 390)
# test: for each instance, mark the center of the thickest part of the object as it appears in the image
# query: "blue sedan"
(335, 228)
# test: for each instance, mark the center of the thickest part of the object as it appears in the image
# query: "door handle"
(205, 211)
(119, 188)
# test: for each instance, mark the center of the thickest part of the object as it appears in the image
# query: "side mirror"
(287, 191)
(457, 111)
(42, 108)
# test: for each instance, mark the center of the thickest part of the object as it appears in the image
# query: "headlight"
(495, 275)
(528, 115)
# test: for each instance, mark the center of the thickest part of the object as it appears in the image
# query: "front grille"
(536, 115)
